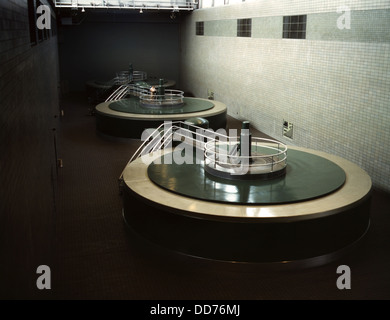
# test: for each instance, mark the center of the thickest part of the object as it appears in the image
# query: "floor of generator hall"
(97, 257)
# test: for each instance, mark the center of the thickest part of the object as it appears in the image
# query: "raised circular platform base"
(260, 233)
(132, 124)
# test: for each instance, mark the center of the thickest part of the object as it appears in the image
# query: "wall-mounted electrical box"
(210, 94)
(287, 129)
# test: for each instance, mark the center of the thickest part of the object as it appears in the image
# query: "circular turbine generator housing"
(313, 208)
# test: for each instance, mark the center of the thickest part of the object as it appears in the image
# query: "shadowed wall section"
(28, 122)
(103, 44)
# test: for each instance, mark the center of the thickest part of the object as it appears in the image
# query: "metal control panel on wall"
(288, 129)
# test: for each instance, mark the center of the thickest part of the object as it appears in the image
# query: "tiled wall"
(28, 106)
(334, 86)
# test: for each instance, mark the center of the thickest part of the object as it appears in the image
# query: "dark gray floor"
(97, 257)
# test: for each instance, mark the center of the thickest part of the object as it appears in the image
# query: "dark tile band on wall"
(244, 27)
(36, 34)
(199, 28)
(294, 27)
(32, 19)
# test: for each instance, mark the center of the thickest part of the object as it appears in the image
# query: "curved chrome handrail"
(215, 154)
(170, 97)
